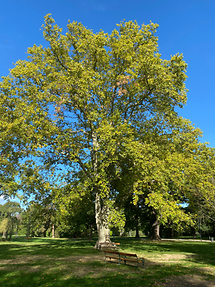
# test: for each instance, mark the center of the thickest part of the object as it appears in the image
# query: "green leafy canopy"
(99, 108)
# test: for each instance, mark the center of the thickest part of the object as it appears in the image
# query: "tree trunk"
(137, 232)
(101, 214)
(28, 228)
(101, 210)
(53, 235)
(172, 233)
(156, 232)
(17, 228)
(156, 229)
(90, 232)
(11, 230)
(137, 226)
(4, 235)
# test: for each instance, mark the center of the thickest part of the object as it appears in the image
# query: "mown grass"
(63, 262)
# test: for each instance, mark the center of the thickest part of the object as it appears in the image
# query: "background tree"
(9, 218)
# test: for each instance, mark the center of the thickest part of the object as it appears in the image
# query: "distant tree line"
(48, 221)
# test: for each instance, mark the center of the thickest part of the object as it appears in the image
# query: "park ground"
(74, 262)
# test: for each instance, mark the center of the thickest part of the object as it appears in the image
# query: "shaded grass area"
(64, 262)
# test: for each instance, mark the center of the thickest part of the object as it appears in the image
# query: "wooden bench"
(123, 257)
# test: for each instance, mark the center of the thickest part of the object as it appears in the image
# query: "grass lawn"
(63, 262)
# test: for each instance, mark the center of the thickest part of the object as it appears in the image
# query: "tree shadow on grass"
(187, 281)
(76, 263)
(54, 248)
(95, 273)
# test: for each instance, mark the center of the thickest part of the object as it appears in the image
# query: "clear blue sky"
(184, 26)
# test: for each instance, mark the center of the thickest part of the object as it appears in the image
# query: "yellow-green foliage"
(102, 104)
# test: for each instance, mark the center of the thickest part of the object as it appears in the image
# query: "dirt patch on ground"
(187, 281)
(29, 259)
(38, 263)
(69, 266)
(90, 258)
(171, 257)
(167, 258)
(23, 259)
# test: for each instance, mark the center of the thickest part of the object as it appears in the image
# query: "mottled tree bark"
(53, 234)
(156, 228)
(101, 210)
(4, 235)
(101, 213)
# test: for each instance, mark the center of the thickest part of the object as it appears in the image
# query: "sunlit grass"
(64, 262)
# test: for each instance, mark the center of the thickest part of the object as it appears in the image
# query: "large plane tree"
(93, 109)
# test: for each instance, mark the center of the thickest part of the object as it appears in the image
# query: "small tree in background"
(9, 214)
